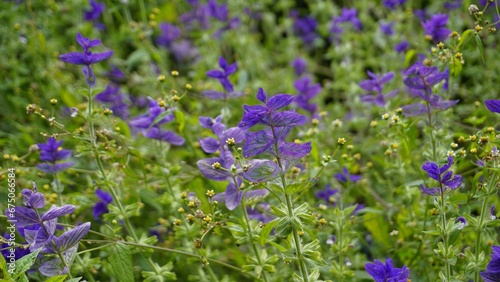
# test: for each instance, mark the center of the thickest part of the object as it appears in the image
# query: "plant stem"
(128, 226)
(251, 240)
(445, 235)
(478, 236)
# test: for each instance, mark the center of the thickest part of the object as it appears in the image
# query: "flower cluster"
(420, 79)
(224, 168)
(492, 273)
(278, 124)
(150, 124)
(87, 58)
(375, 85)
(445, 178)
(39, 231)
(51, 153)
(387, 272)
(305, 28)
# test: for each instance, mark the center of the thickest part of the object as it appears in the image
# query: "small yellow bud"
(190, 217)
(350, 147)
(337, 123)
(181, 210)
(216, 165)
(461, 139)
(473, 150)
(53, 101)
(478, 28)
(6, 156)
(230, 142)
(161, 78)
(322, 221)
(315, 121)
(300, 233)
(207, 219)
(177, 222)
(191, 204)
(394, 233)
(373, 123)
(341, 141)
(454, 145)
(472, 138)
(107, 112)
(176, 98)
(440, 45)
(183, 195)
(210, 193)
(385, 116)
(174, 73)
(189, 86)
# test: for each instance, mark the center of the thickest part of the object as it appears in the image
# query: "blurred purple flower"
(435, 27)
(387, 28)
(101, 207)
(420, 14)
(299, 65)
(327, 194)
(492, 273)
(444, 177)
(306, 91)
(168, 34)
(260, 213)
(452, 4)
(345, 176)
(184, 51)
(387, 272)
(87, 58)
(305, 28)
(393, 4)
(346, 16)
(150, 123)
(111, 95)
(375, 85)
(402, 46)
(95, 11)
(51, 153)
(420, 79)
(116, 75)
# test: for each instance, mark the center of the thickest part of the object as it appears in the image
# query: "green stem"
(341, 250)
(232, 267)
(445, 235)
(78, 258)
(289, 206)
(251, 240)
(128, 226)
(478, 237)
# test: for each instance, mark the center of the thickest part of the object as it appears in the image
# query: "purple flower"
(168, 34)
(260, 213)
(101, 207)
(5, 249)
(51, 152)
(87, 58)
(112, 96)
(420, 14)
(95, 11)
(219, 12)
(402, 46)
(116, 75)
(393, 4)
(278, 125)
(452, 4)
(444, 177)
(420, 79)
(299, 66)
(387, 272)
(150, 123)
(345, 176)
(222, 76)
(305, 28)
(346, 16)
(493, 105)
(492, 273)
(233, 195)
(387, 28)
(306, 91)
(435, 27)
(327, 194)
(184, 51)
(375, 85)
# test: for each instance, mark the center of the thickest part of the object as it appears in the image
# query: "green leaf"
(480, 46)
(4, 272)
(266, 230)
(77, 279)
(299, 187)
(121, 262)
(455, 67)
(24, 264)
(465, 36)
(58, 278)
(181, 120)
(150, 198)
(137, 58)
